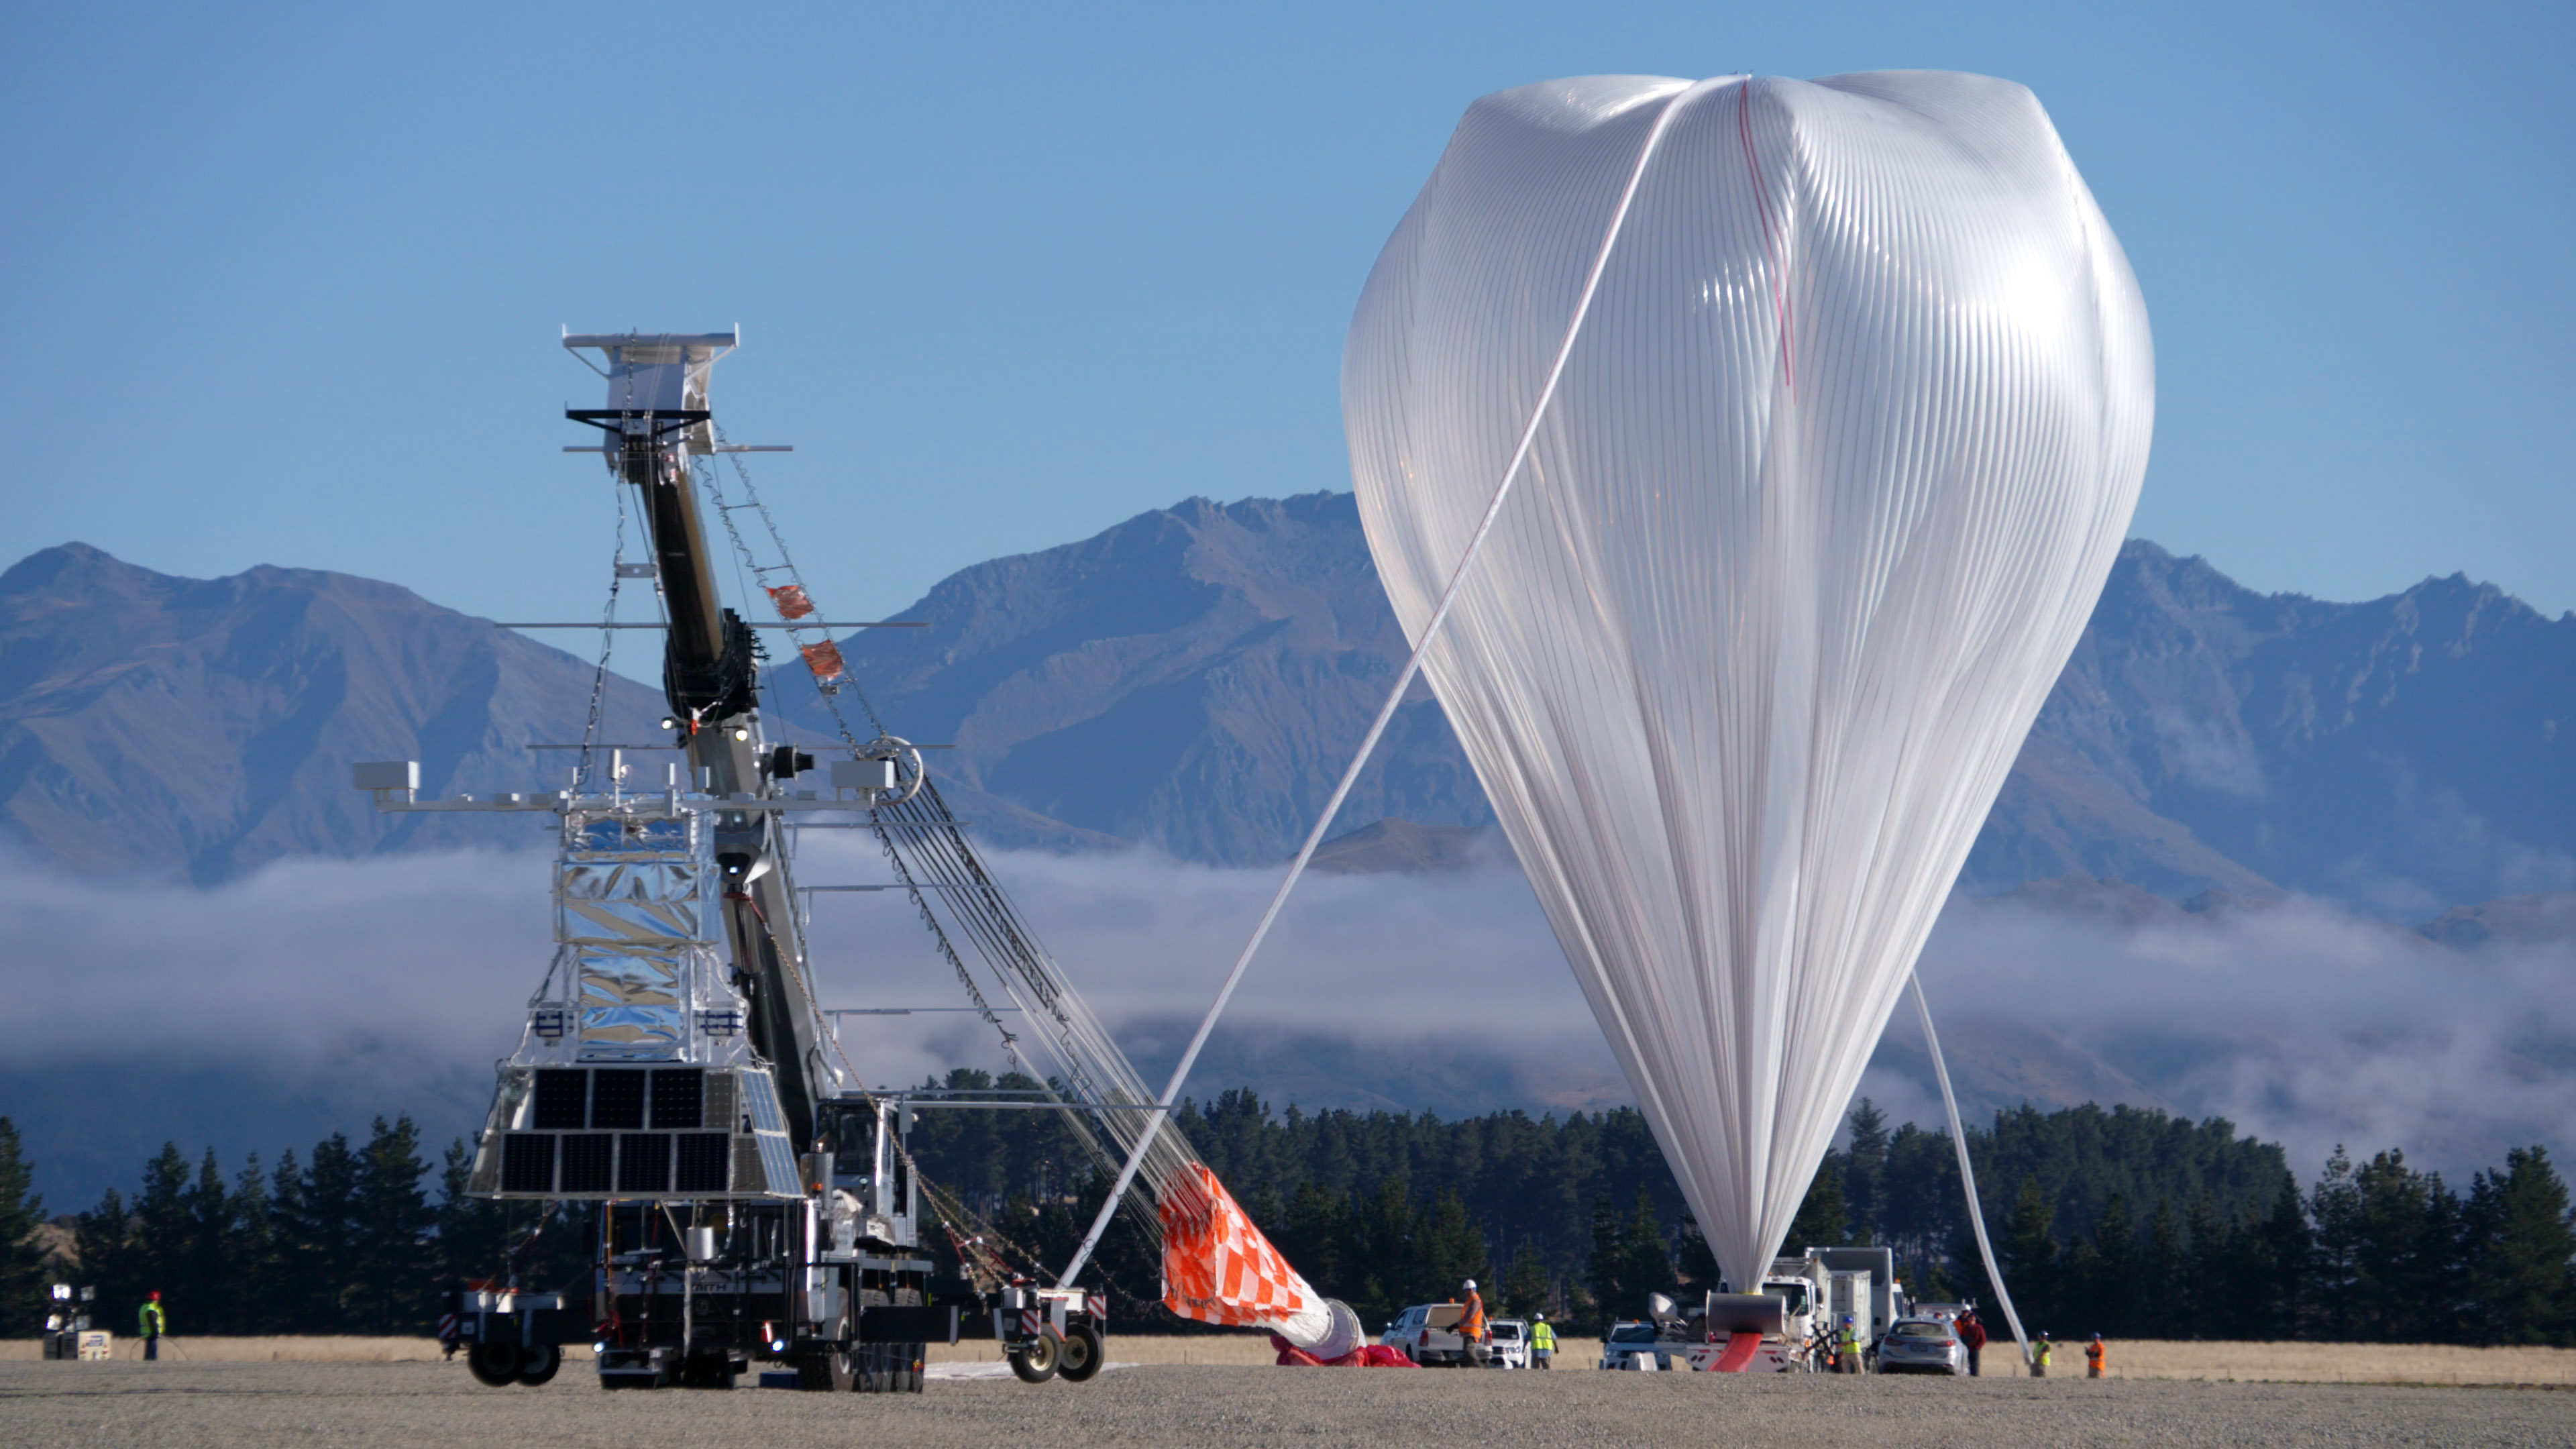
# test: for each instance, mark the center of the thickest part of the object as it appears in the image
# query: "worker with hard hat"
(2097, 1357)
(2039, 1352)
(155, 1323)
(1471, 1325)
(1847, 1346)
(1542, 1341)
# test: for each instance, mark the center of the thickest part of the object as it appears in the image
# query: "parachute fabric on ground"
(1836, 469)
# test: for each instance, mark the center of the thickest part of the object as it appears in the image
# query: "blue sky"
(285, 282)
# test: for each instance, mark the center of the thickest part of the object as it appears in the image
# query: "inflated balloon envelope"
(1842, 392)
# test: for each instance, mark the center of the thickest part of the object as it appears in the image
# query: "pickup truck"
(1427, 1333)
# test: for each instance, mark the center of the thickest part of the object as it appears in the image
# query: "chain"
(607, 642)
(787, 565)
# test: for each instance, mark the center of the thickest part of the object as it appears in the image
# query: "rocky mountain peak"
(202, 726)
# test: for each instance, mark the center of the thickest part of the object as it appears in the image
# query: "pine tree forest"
(2127, 1222)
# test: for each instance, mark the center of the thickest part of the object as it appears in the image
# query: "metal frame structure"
(675, 1084)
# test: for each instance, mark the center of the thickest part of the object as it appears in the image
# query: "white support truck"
(1813, 1291)
(1862, 1282)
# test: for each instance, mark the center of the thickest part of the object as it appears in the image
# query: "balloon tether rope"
(1967, 1175)
(1394, 696)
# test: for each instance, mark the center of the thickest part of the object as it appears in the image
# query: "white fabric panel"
(1838, 466)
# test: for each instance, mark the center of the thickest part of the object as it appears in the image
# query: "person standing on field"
(1542, 1341)
(1847, 1347)
(1471, 1326)
(1973, 1334)
(2097, 1356)
(2039, 1353)
(155, 1323)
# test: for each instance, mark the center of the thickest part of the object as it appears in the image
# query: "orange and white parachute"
(1219, 1268)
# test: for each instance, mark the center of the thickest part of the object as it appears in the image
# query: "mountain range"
(1192, 679)
(200, 728)
(1189, 682)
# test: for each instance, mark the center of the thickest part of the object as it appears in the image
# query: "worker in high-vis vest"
(1471, 1325)
(2039, 1352)
(2097, 1357)
(155, 1323)
(1847, 1347)
(1542, 1341)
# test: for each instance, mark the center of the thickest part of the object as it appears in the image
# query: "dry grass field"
(256, 1350)
(2280, 1363)
(208, 1405)
(2329, 1363)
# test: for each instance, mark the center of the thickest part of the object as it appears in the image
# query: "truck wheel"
(493, 1364)
(1036, 1359)
(1083, 1352)
(537, 1365)
(824, 1371)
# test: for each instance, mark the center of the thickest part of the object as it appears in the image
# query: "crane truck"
(675, 1088)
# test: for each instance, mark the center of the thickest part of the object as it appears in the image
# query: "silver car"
(1922, 1346)
(1633, 1345)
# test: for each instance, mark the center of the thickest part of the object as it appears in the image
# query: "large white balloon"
(1839, 460)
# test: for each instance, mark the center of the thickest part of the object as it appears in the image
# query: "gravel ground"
(135, 1406)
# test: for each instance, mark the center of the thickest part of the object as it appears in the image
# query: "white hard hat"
(1471, 1285)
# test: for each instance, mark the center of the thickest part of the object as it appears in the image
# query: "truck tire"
(877, 1373)
(1036, 1359)
(824, 1371)
(537, 1364)
(495, 1365)
(1083, 1352)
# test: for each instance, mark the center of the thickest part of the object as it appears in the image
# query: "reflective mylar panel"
(634, 1004)
(633, 978)
(1839, 460)
(644, 902)
(637, 972)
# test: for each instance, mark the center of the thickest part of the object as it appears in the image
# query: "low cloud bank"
(343, 981)
(2297, 1021)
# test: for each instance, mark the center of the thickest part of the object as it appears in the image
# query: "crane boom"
(656, 421)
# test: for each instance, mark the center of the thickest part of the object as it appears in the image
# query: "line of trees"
(2374, 1251)
(344, 1240)
(2133, 1223)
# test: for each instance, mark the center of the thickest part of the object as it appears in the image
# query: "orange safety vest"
(1471, 1324)
(2095, 1353)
